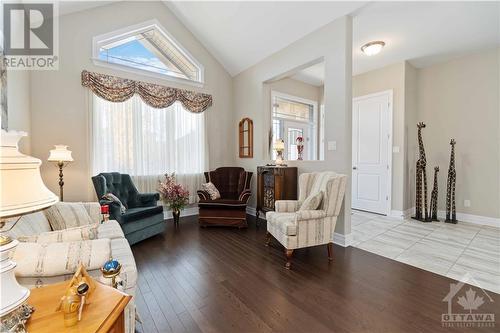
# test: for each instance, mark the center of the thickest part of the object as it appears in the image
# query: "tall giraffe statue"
(434, 196)
(451, 214)
(421, 176)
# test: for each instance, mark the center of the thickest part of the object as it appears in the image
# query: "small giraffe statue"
(421, 176)
(451, 214)
(434, 196)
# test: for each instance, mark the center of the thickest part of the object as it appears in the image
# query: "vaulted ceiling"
(240, 34)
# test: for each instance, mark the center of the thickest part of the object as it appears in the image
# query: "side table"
(103, 314)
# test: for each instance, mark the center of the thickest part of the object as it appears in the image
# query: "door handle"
(355, 168)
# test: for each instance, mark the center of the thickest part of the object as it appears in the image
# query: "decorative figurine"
(70, 305)
(110, 271)
(421, 214)
(451, 214)
(434, 196)
(80, 286)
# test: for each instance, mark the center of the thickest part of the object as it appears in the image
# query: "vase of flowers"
(174, 195)
(300, 147)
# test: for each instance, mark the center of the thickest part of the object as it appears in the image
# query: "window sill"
(162, 77)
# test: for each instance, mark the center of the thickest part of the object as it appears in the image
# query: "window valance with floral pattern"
(116, 89)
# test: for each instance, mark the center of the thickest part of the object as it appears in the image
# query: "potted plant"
(300, 147)
(174, 195)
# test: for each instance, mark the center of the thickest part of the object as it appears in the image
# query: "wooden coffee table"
(104, 313)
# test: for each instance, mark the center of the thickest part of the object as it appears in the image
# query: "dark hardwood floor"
(225, 280)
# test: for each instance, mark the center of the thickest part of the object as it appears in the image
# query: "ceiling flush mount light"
(372, 48)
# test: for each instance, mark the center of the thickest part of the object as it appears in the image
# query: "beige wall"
(389, 78)
(59, 103)
(459, 99)
(295, 88)
(18, 105)
(332, 42)
(410, 140)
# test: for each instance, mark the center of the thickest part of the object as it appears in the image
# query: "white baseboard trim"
(474, 219)
(252, 211)
(185, 212)
(342, 240)
(397, 214)
(463, 217)
(402, 214)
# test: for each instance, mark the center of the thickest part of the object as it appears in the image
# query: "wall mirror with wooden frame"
(245, 129)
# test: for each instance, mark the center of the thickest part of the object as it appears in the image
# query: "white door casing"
(372, 152)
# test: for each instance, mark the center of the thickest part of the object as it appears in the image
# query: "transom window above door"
(148, 49)
(295, 122)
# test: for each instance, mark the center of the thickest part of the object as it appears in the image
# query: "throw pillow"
(52, 259)
(312, 202)
(211, 190)
(85, 232)
(64, 215)
(113, 198)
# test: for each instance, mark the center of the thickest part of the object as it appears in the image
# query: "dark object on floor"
(274, 183)
(434, 196)
(451, 214)
(421, 213)
(142, 218)
(233, 184)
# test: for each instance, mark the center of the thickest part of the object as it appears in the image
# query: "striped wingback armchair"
(297, 228)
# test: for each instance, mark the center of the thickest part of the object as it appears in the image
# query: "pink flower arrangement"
(172, 193)
(300, 147)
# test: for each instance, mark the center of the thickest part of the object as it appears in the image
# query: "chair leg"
(330, 251)
(268, 238)
(288, 254)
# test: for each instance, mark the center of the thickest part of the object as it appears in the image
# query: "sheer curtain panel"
(135, 138)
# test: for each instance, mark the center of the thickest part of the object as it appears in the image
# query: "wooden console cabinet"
(274, 183)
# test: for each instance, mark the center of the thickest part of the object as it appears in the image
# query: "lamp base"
(13, 307)
(15, 321)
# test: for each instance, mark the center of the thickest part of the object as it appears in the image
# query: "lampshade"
(279, 145)
(60, 154)
(22, 188)
(22, 192)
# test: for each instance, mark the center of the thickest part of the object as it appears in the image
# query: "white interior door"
(371, 160)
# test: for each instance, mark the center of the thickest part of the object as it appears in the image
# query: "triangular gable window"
(147, 47)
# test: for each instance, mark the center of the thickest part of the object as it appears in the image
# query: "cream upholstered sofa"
(46, 256)
(295, 228)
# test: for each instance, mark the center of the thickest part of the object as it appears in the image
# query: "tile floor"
(452, 250)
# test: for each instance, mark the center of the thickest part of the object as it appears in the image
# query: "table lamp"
(62, 156)
(22, 192)
(279, 146)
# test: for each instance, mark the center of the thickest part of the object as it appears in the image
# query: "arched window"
(147, 48)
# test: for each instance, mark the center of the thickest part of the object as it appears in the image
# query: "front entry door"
(371, 142)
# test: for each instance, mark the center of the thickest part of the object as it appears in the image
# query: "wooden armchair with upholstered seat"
(296, 226)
